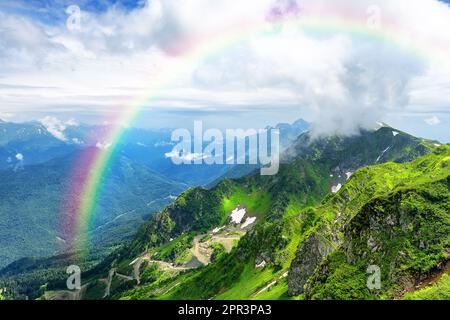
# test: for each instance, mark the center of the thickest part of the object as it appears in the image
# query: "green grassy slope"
(396, 204)
(393, 216)
(295, 211)
(285, 202)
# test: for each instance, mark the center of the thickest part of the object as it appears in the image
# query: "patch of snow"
(348, 174)
(237, 215)
(216, 230)
(335, 189)
(248, 221)
(19, 157)
(382, 154)
(395, 133)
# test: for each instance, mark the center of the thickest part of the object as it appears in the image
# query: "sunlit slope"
(288, 210)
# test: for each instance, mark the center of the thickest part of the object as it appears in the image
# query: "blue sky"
(52, 8)
(52, 11)
(122, 47)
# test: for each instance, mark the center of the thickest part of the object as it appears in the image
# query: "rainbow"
(91, 169)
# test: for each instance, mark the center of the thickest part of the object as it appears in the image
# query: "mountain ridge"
(40, 201)
(280, 215)
(283, 193)
(384, 230)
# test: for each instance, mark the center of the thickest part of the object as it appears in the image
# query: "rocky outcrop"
(309, 256)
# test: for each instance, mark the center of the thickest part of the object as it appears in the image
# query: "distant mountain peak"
(369, 147)
(300, 122)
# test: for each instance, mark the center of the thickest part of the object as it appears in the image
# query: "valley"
(301, 234)
(293, 236)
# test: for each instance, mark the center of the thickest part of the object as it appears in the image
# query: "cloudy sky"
(343, 64)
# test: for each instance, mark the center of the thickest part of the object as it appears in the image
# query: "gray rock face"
(309, 256)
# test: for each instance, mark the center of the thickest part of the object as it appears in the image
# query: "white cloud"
(434, 120)
(6, 115)
(77, 141)
(57, 127)
(185, 156)
(71, 123)
(341, 81)
(19, 157)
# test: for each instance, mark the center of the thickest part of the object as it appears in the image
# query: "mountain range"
(37, 160)
(340, 209)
